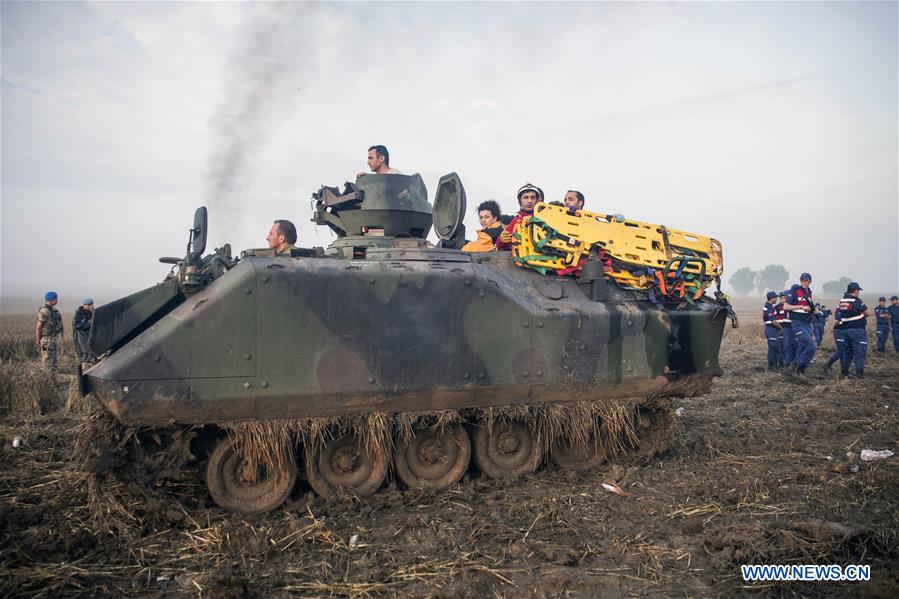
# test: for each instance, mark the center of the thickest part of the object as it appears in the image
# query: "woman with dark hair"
(491, 226)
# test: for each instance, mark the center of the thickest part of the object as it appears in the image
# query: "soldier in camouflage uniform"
(48, 332)
(282, 237)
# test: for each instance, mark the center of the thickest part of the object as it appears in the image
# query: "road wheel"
(344, 462)
(569, 457)
(433, 459)
(237, 486)
(508, 450)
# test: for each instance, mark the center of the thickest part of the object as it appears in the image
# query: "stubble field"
(763, 470)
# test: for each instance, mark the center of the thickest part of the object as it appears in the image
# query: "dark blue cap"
(853, 286)
(895, 297)
(771, 294)
(805, 277)
(50, 296)
(784, 293)
(881, 299)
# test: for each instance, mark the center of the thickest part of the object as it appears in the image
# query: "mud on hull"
(253, 466)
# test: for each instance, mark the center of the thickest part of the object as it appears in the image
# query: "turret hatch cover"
(449, 206)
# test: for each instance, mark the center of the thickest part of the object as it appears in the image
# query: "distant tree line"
(774, 277)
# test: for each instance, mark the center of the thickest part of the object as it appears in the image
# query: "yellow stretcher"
(555, 239)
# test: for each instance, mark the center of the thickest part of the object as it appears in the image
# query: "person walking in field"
(894, 321)
(843, 351)
(881, 323)
(853, 314)
(785, 331)
(81, 330)
(773, 330)
(48, 331)
(801, 307)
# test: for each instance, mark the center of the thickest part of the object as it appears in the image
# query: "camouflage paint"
(295, 337)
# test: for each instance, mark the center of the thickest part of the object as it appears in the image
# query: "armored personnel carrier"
(386, 355)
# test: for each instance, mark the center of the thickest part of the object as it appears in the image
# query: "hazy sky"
(770, 126)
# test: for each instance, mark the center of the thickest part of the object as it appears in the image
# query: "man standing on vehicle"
(574, 200)
(528, 197)
(491, 227)
(47, 332)
(800, 305)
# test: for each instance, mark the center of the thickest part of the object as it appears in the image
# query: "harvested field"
(763, 470)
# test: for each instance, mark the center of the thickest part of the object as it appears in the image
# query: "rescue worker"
(789, 344)
(853, 315)
(881, 324)
(528, 196)
(894, 321)
(81, 329)
(574, 200)
(47, 332)
(379, 162)
(772, 330)
(489, 216)
(818, 324)
(825, 314)
(282, 237)
(843, 350)
(801, 308)
(780, 318)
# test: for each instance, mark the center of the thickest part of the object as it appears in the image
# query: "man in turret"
(48, 331)
(379, 162)
(282, 237)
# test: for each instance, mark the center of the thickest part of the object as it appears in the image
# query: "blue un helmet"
(88, 301)
(771, 294)
(50, 296)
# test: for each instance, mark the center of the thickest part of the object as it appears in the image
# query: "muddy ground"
(759, 473)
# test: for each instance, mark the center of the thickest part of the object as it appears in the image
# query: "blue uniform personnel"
(843, 351)
(882, 324)
(788, 348)
(801, 319)
(894, 320)
(772, 333)
(852, 314)
(780, 318)
(819, 319)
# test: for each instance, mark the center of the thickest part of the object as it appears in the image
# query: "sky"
(769, 126)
